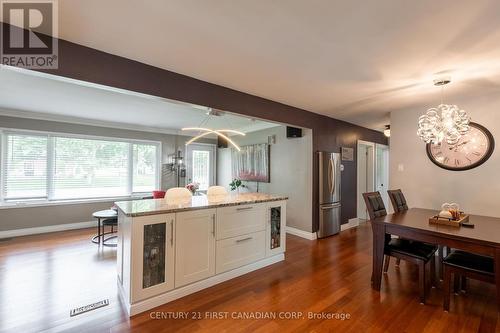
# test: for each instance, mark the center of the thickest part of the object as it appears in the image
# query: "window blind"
(25, 171)
(57, 167)
(89, 168)
(144, 167)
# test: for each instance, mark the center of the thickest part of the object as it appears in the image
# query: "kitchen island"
(167, 250)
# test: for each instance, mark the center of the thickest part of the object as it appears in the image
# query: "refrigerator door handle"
(334, 176)
(331, 179)
(330, 207)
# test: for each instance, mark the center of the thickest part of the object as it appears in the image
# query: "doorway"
(200, 165)
(372, 173)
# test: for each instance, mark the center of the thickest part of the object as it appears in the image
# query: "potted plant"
(193, 187)
(236, 184)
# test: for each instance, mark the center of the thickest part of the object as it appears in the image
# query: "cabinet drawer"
(238, 251)
(240, 220)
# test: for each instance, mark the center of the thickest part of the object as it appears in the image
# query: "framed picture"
(251, 163)
(347, 154)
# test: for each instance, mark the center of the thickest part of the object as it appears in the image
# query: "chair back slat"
(374, 204)
(398, 200)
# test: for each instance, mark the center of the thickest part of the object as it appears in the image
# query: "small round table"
(100, 215)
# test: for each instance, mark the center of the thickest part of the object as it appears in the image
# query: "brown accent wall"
(87, 64)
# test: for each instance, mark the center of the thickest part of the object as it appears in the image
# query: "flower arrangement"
(193, 187)
(236, 184)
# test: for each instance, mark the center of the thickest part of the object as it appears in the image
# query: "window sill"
(45, 203)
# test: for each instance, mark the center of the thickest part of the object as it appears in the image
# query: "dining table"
(413, 224)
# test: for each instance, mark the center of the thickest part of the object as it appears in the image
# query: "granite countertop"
(145, 207)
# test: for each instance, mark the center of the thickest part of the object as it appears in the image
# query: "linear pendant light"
(207, 131)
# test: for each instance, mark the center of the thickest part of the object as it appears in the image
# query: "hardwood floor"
(42, 277)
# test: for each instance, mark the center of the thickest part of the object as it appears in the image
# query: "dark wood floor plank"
(43, 276)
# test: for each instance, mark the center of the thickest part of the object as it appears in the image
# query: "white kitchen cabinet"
(166, 252)
(195, 246)
(152, 270)
(275, 228)
(238, 251)
(240, 220)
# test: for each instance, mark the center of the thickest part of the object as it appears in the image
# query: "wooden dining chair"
(412, 251)
(399, 204)
(466, 265)
(398, 200)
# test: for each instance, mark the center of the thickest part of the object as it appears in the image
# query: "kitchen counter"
(135, 208)
(167, 250)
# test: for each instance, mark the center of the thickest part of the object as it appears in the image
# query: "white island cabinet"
(170, 250)
(195, 246)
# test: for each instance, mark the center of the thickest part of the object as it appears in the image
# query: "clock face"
(472, 150)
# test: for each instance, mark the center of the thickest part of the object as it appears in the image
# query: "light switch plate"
(401, 167)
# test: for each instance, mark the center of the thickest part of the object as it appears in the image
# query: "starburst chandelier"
(444, 122)
(204, 131)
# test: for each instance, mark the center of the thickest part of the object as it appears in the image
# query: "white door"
(365, 175)
(195, 246)
(382, 172)
(200, 165)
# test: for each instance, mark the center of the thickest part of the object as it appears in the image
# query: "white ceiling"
(44, 97)
(353, 60)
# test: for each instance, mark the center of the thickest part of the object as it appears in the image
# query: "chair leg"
(446, 289)
(456, 283)
(421, 281)
(441, 257)
(386, 263)
(464, 284)
(433, 272)
(398, 261)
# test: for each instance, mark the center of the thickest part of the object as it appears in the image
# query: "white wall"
(428, 186)
(291, 172)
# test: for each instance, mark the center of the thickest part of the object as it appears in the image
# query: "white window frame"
(50, 163)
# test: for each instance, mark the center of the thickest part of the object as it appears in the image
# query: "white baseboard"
(45, 229)
(350, 224)
(301, 233)
(136, 308)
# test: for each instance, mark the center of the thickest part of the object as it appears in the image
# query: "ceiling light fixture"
(444, 122)
(203, 131)
(387, 131)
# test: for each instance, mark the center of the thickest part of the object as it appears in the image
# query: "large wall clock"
(472, 150)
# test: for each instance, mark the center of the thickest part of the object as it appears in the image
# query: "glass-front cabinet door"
(275, 230)
(153, 266)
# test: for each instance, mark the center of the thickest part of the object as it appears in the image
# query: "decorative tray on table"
(464, 218)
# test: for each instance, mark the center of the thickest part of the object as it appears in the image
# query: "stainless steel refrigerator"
(329, 193)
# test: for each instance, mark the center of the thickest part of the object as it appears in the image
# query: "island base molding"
(150, 303)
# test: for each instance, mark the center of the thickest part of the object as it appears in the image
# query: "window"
(89, 168)
(200, 163)
(25, 169)
(144, 167)
(58, 167)
(201, 167)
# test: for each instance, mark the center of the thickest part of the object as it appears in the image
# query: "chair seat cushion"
(474, 262)
(110, 221)
(415, 249)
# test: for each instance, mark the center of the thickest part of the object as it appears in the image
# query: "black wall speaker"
(293, 132)
(221, 142)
